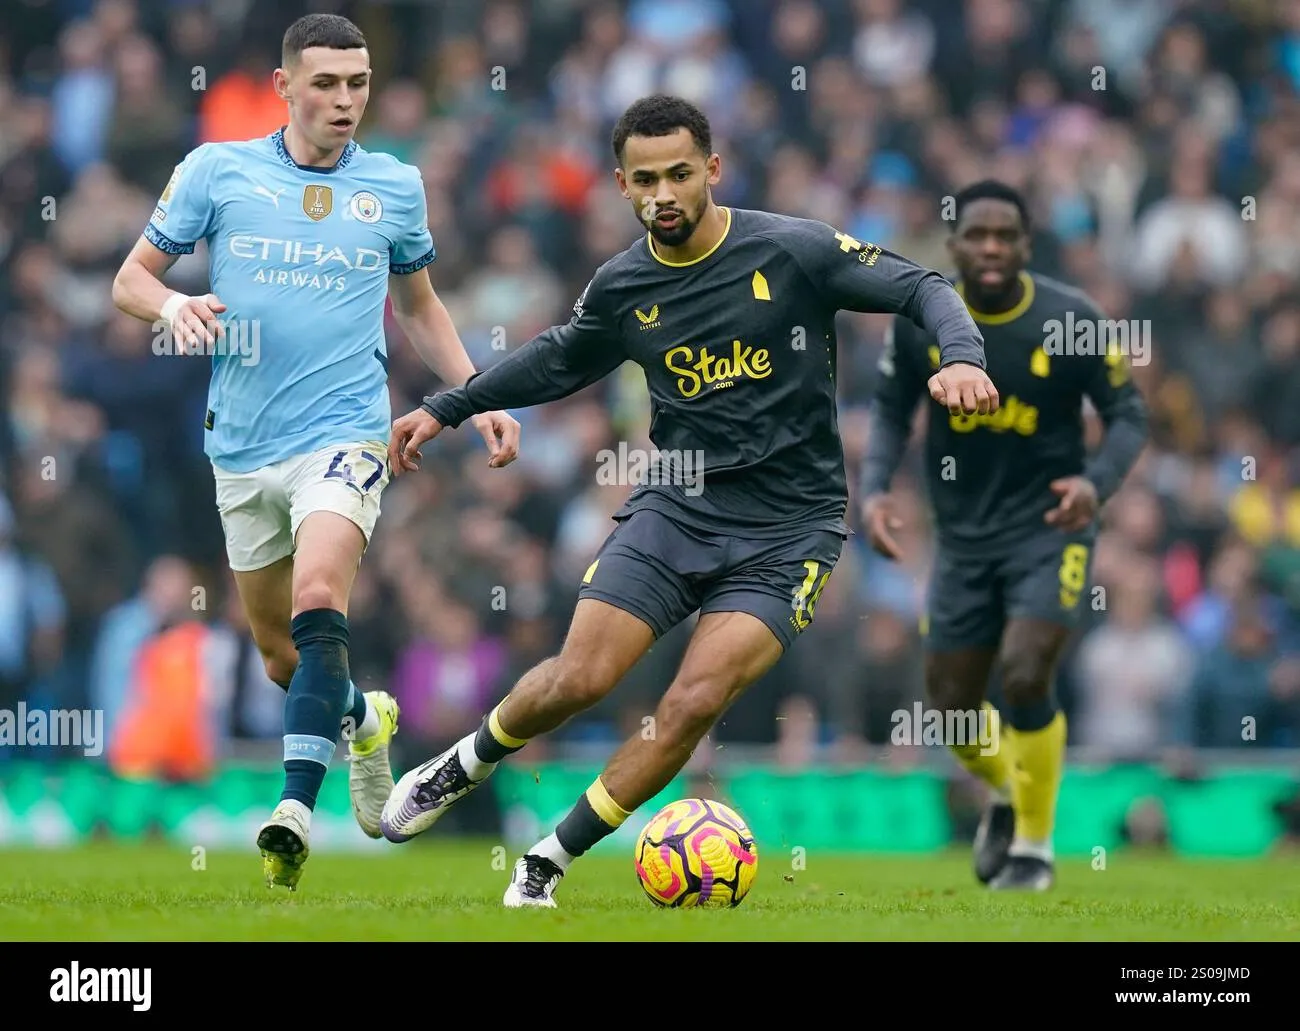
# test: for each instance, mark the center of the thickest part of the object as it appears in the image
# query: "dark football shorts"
(661, 571)
(1045, 575)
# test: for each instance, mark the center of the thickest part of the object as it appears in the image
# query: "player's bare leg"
(957, 680)
(728, 651)
(602, 644)
(267, 597)
(328, 551)
(370, 719)
(1034, 730)
(554, 690)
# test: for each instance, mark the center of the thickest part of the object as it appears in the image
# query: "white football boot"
(532, 883)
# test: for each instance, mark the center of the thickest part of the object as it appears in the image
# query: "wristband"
(171, 306)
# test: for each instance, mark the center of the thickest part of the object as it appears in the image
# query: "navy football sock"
(355, 709)
(318, 695)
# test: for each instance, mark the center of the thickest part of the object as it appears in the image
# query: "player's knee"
(941, 693)
(946, 690)
(1026, 678)
(315, 592)
(280, 661)
(690, 708)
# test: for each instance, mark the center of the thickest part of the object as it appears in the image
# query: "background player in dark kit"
(1016, 502)
(731, 315)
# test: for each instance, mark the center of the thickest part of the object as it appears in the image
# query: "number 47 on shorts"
(341, 469)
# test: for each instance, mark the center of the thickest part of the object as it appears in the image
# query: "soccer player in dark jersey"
(731, 315)
(1016, 502)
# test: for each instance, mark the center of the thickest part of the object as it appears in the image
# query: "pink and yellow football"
(696, 852)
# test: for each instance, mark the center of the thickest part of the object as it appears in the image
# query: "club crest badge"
(365, 207)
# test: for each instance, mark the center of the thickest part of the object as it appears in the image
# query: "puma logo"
(262, 191)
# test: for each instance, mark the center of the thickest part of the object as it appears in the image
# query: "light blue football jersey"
(300, 256)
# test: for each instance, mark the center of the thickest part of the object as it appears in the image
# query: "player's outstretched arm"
(422, 316)
(931, 302)
(857, 276)
(556, 363)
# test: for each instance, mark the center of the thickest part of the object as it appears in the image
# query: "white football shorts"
(262, 510)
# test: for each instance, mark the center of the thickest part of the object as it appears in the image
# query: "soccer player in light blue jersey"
(307, 235)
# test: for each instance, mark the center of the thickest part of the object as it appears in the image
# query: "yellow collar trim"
(1011, 314)
(649, 242)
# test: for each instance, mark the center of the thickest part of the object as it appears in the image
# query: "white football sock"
(474, 767)
(550, 848)
(1035, 849)
(370, 724)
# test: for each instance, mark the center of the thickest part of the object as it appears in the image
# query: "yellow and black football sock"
(480, 752)
(992, 768)
(1035, 735)
(595, 816)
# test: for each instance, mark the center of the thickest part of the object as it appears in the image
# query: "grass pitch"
(437, 890)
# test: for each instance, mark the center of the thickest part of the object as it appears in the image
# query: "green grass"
(435, 890)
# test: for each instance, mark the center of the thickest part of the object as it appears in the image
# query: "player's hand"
(1078, 504)
(966, 389)
(195, 327)
(409, 432)
(502, 435)
(878, 517)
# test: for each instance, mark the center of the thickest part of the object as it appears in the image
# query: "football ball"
(696, 852)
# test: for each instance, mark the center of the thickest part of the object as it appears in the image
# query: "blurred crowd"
(1158, 144)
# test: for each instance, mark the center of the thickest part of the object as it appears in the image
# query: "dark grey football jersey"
(988, 476)
(739, 353)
